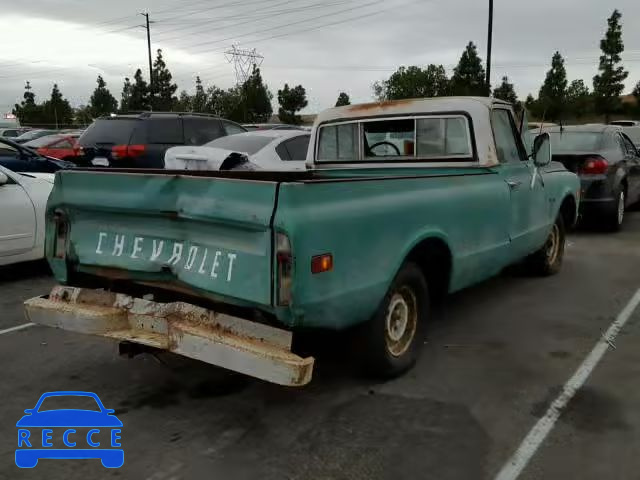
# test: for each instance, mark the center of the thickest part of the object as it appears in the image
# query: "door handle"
(513, 185)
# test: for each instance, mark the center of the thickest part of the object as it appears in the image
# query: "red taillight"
(285, 266)
(594, 166)
(78, 151)
(124, 151)
(322, 263)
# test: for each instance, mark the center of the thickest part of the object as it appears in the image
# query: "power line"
(278, 27)
(223, 19)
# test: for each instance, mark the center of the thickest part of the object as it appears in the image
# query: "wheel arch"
(432, 253)
(569, 210)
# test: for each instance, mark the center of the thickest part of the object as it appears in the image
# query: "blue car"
(33, 446)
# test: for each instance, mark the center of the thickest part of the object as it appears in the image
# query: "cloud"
(63, 41)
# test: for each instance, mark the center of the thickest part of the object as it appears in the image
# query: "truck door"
(528, 223)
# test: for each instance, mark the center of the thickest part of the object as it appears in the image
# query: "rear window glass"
(404, 138)
(338, 142)
(249, 144)
(576, 141)
(43, 141)
(109, 131)
(165, 130)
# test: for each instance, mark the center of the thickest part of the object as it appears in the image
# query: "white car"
(23, 197)
(257, 150)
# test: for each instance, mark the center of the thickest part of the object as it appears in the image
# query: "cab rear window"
(432, 138)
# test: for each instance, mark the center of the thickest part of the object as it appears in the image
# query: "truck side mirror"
(542, 150)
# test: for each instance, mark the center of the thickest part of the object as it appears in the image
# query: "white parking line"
(16, 328)
(539, 432)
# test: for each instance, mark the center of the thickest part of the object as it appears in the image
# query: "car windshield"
(576, 141)
(109, 131)
(248, 144)
(69, 402)
(43, 141)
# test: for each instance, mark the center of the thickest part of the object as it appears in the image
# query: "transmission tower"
(243, 61)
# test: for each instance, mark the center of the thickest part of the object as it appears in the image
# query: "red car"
(60, 146)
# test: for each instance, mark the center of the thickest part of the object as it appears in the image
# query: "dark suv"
(141, 140)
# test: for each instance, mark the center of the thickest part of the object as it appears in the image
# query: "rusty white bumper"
(240, 345)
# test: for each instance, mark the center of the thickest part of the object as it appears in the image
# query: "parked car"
(13, 132)
(33, 134)
(141, 140)
(23, 159)
(625, 123)
(23, 198)
(363, 239)
(63, 147)
(263, 150)
(631, 128)
(270, 126)
(608, 164)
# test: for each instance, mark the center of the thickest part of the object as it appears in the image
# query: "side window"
(282, 152)
(631, 149)
(506, 137)
(198, 131)
(165, 130)
(297, 147)
(338, 143)
(232, 128)
(63, 144)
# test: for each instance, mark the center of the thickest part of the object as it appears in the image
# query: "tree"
(162, 88)
(413, 82)
(552, 97)
(291, 101)
(199, 103)
(184, 102)
(102, 102)
(506, 92)
(343, 100)
(579, 101)
(28, 112)
(57, 110)
(82, 115)
(139, 93)
(609, 83)
(125, 98)
(469, 76)
(256, 99)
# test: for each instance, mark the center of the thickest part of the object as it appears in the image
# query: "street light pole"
(489, 45)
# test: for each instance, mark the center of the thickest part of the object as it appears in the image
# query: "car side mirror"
(3, 179)
(542, 150)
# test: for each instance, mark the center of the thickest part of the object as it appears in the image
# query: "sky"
(328, 46)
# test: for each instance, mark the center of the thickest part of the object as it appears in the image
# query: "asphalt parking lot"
(497, 356)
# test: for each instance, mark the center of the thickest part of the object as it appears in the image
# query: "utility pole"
(489, 45)
(148, 27)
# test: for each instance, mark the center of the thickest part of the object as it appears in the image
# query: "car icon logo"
(69, 433)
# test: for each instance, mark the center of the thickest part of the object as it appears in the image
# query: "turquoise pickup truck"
(403, 202)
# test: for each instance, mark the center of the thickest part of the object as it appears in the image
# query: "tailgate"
(213, 234)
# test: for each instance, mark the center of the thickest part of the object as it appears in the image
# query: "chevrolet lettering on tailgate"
(190, 257)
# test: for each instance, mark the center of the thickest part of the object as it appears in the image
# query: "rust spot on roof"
(382, 105)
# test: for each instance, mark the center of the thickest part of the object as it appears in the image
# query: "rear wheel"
(548, 260)
(614, 216)
(393, 337)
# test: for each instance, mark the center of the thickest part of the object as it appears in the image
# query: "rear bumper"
(233, 343)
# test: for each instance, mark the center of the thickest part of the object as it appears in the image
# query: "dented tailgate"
(213, 234)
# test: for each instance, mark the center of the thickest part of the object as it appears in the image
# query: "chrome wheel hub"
(401, 321)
